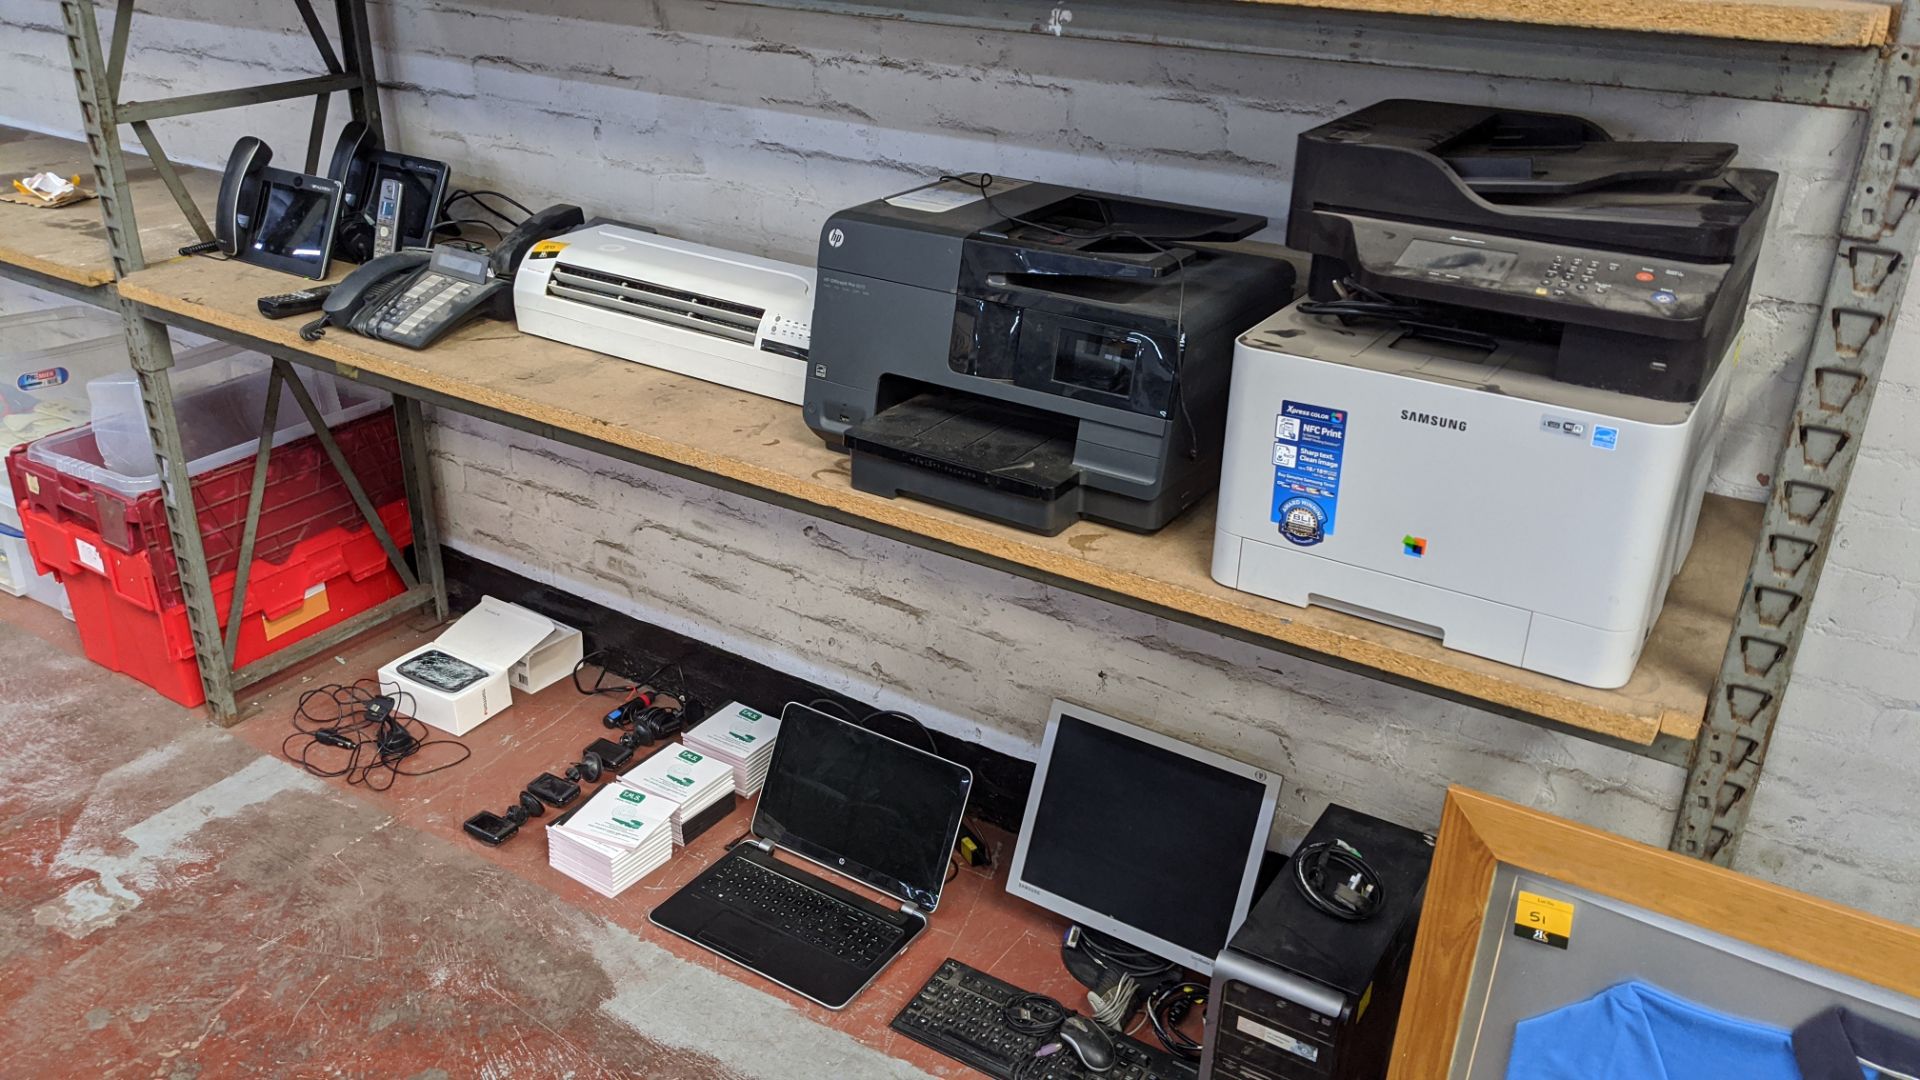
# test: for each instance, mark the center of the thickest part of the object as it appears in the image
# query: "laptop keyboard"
(857, 936)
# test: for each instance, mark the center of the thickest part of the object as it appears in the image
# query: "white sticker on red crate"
(89, 556)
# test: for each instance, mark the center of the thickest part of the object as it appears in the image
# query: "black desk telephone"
(416, 296)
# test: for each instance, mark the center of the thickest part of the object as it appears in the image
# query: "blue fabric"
(1635, 1031)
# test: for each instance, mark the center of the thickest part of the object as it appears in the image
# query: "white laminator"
(1459, 494)
(718, 315)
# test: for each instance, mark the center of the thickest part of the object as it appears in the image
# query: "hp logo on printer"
(1432, 420)
(835, 238)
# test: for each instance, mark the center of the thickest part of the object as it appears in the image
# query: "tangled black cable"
(1169, 1005)
(1336, 880)
(1037, 1015)
(828, 705)
(356, 732)
(602, 686)
(1121, 957)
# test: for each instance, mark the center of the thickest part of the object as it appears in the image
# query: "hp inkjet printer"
(1493, 418)
(1030, 353)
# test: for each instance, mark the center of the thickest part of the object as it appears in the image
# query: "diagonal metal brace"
(354, 488)
(319, 32)
(255, 498)
(170, 176)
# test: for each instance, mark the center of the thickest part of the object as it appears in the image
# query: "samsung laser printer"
(1032, 353)
(1493, 418)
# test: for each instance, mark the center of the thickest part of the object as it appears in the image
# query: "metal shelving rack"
(97, 78)
(1877, 241)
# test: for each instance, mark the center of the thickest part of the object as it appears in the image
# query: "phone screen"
(293, 222)
(418, 191)
(442, 671)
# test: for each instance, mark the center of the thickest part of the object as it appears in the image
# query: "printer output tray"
(996, 460)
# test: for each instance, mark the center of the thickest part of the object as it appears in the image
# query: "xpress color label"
(1309, 442)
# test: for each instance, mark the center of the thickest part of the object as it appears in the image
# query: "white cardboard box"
(550, 661)
(492, 639)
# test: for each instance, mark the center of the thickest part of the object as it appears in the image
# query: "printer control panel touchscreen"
(1530, 272)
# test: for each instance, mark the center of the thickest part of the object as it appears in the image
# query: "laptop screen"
(862, 804)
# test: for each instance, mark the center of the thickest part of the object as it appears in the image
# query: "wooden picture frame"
(1479, 832)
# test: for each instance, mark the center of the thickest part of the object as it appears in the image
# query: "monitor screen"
(1141, 836)
(865, 805)
(294, 221)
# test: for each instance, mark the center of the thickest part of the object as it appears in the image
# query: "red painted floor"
(179, 902)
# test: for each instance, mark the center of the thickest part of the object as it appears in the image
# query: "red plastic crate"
(305, 498)
(127, 625)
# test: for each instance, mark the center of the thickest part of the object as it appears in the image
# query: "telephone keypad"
(412, 314)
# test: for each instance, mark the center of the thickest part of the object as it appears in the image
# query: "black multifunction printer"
(1633, 258)
(1033, 354)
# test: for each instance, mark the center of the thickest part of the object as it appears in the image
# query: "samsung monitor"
(1142, 836)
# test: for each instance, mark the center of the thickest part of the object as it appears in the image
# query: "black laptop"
(851, 801)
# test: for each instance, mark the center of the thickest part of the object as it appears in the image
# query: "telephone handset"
(416, 296)
(239, 193)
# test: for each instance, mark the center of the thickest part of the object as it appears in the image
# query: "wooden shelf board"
(763, 446)
(69, 243)
(1834, 23)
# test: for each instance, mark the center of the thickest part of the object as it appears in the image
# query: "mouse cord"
(1038, 1015)
(1034, 1014)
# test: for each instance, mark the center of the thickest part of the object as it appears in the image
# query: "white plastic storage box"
(46, 359)
(220, 402)
(18, 576)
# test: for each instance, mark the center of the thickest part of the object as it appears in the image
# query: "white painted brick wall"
(981, 653)
(746, 126)
(1837, 808)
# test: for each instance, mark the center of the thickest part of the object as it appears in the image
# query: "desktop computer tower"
(1299, 994)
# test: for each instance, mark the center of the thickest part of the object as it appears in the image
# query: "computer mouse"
(1090, 1044)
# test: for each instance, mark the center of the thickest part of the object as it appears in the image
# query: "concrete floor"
(176, 900)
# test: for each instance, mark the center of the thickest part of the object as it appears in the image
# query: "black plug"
(332, 738)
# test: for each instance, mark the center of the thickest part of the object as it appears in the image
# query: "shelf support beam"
(97, 76)
(1879, 230)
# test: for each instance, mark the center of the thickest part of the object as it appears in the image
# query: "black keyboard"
(959, 1012)
(857, 936)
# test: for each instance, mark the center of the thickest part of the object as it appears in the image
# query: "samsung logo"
(1432, 420)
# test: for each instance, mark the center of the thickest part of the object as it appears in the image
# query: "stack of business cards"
(692, 780)
(613, 839)
(741, 737)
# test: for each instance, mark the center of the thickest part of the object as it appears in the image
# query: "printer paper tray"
(1003, 447)
(984, 457)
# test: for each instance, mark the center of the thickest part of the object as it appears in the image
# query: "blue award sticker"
(1309, 443)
